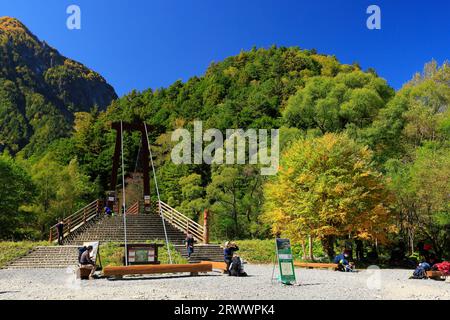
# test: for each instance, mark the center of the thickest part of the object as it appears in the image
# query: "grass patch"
(112, 254)
(10, 251)
(257, 251)
(263, 251)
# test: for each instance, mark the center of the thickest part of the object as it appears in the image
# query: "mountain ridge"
(40, 89)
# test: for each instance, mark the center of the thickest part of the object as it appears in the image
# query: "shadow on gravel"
(6, 292)
(309, 284)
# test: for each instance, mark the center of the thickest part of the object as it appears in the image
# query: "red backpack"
(444, 267)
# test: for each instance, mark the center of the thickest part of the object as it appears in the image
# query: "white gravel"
(312, 284)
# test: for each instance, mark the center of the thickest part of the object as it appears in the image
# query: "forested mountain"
(40, 90)
(300, 91)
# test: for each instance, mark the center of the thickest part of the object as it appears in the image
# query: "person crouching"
(237, 267)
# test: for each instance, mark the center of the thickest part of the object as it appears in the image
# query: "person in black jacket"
(236, 268)
(60, 231)
(189, 244)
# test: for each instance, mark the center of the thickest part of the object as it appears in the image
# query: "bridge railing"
(77, 220)
(181, 222)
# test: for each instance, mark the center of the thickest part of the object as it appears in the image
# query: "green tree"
(332, 103)
(236, 199)
(328, 188)
(422, 188)
(193, 196)
(61, 190)
(15, 193)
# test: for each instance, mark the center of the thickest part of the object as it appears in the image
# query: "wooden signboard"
(143, 254)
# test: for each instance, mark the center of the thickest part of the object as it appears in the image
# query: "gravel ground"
(312, 284)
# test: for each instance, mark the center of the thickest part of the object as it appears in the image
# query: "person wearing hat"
(228, 253)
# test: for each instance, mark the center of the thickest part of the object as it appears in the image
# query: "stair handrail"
(77, 220)
(181, 222)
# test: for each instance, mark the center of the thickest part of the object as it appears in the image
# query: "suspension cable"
(123, 195)
(157, 192)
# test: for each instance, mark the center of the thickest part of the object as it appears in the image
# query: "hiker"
(236, 267)
(81, 250)
(86, 261)
(189, 244)
(421, 271)
(60, 231)
(108, 211)
(228, 252)
(343, 263)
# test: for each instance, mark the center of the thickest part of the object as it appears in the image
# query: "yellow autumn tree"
(328, 188)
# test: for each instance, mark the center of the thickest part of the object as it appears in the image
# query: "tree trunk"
(328, 246)
(304, 250)
(310, 244)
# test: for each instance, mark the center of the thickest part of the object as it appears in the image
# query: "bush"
(112, 254)
(263, 251)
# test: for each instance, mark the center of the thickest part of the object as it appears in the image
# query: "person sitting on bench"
(86, 261)
(343, 264)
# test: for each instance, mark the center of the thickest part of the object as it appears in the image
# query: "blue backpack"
(421, 271)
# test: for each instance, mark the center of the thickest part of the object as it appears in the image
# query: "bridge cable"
(157, 192)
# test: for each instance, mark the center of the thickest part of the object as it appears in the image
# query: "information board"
(285, 261)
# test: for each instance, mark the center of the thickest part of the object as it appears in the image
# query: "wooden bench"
(436, 275)
(83, 273)
(310, 265)
(217, 266)
(193, 269)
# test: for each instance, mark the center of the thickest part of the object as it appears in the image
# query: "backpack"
(419, 273)
(444, 267)
(81, 250)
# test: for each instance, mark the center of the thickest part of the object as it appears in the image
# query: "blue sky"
(140, 44)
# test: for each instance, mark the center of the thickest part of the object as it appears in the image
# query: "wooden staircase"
(140, 228)
(202, 252)
(48, 258)
(91, 224)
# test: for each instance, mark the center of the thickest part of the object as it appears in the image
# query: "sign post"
(285, 261)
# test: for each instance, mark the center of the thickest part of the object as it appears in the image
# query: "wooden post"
(145, 160)
(51, 235)
(84, 215)
(205, 226)
(98, 207)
